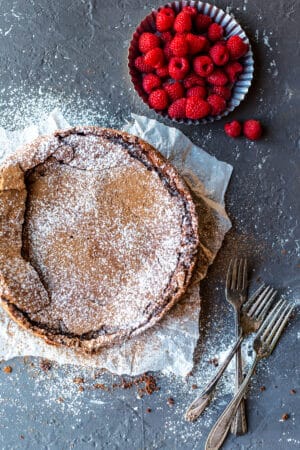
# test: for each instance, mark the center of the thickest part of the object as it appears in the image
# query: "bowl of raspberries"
(191, 62)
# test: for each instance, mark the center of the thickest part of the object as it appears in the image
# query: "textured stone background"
(75, 52)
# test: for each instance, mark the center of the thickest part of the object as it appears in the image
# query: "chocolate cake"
(98, 237)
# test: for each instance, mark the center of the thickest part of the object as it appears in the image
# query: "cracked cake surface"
(98, 237)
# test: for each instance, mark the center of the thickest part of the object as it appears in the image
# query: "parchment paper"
(169, 346)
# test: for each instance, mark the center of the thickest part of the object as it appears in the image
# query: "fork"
(236, 293)
(263, 345)
(253, 313)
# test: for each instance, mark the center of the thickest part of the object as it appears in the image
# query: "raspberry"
(215, 32)
(195, 43)
(236, 47)
(155, 57)
(191, 10)
(179, 45)
(202, 22)
(233, 129)
(167, 50)
(177, 109)
(196, 91)
(140, 65)
(203, 66)
(252, 129)
(219, 54)
(166, 36)
(151, 82)
(178, 67)
(163, 72)
(217, 103)
(148, 41)
(218, 78)
(183, 22)
(223, 91)
(196, 108)
(165, 19)
(233, 70)
(174, 90)
(158, 99)
(193, 80)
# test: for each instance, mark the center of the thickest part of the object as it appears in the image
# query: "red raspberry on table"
(196, 108)
(191, 10)
(196, 44)
(177, 109)
(179, 45)
(223, 91)
(162, 72)
(165, 19)
(183, 22)
(167, 50)
(140, 65)
(252, 129)
(202, 22)
(178, 67)
(234, 70)
(148, 41)
(193, 80)
(203, 65)
(158, 99)
(174, 90)
(166, 36)
(236, 47)
(219, 54)
(233, 129)
(217, 103)
(196, 91)
(155, 57)
(215, 32)
(218, 78)
(151, 82)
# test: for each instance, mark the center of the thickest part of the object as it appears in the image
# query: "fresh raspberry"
(196, 44)
(179, 45)
(218, 78)
(165, 19)
(217, 103)
(151, 82)
(193, 80)
(196, 91)
(202, 22)
(196, 108)
(236, 47)
(155, 57)
(167, 51)
(178, 67)
(223, 91)
(174, 90)
(219, 54)
(191, 10)
(177, 109)
(166, 36)
(158, 99)
(233, 129)
(234, 70)
(252, 129)
(183, 22)
(140, 65)
(203, 66)
(162, 72)
(215, 32)
(148, 41)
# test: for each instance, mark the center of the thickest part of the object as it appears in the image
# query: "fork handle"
(220, 429)
(239, 423)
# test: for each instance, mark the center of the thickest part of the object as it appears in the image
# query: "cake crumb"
(100, 386)
(7, 369)
(45, 365)
(194, 386)
(80, 388)
(171, 401)
(262, 388)
(284, 417)
(148, 410)
(78, 380)
(293, 391)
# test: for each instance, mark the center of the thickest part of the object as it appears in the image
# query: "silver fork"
(236, 293)
(263, 345)
(253, 313)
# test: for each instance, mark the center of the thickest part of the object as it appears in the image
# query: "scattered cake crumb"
(45, 365)
(80, 388)
(7, 369)
(262, 388)
(171, 401)
(78, 380)
(285, 417)
(148, 410)
(293, 391)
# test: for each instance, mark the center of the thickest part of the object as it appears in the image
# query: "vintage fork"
(263, 345)
(236, 293)
(253, 313)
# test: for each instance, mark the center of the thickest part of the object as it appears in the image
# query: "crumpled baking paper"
(170, 344)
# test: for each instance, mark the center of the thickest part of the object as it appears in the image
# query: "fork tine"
(266, 308)
(229, 275)
(277, 323)
(266, 323)
(280, 329)
(240, 271)
(261, 302)
(245, 270)
(252, 298)
(275, 313)
(234, 273)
